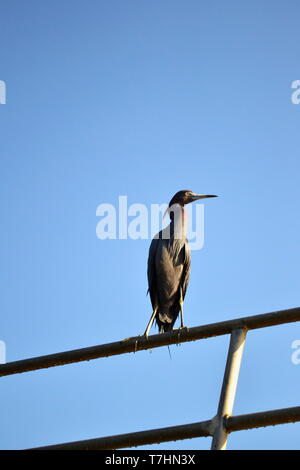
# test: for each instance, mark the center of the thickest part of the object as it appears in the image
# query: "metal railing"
(219, 426)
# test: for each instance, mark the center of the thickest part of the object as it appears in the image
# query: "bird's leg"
(150, 322)
(181, 308)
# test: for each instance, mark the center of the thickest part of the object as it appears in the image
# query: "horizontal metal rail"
(135, 439)
(262, 419)
(138, 343)
(187, 431)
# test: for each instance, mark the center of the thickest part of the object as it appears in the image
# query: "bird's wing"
(186, 269)
(151, 271)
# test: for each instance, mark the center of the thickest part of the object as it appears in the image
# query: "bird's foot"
(136, 343)
(180, 329)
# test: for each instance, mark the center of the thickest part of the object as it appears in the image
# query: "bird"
(169, 263)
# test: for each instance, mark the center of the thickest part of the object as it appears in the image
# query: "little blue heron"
(169, 265)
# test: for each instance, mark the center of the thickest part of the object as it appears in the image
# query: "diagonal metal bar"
(186, 431)
(139, 343)
(134, 439)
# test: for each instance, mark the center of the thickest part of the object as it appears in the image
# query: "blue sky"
(142, 99)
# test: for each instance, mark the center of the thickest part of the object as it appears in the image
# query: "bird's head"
(186, 196)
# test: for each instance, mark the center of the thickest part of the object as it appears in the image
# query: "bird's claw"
(136, 342)
(179, 331)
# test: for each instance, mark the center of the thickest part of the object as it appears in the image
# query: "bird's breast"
(169, 263)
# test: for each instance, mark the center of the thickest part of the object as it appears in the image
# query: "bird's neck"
(178, 222)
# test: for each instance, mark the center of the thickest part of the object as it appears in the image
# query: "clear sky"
(140, 98)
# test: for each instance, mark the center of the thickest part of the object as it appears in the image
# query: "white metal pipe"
(228, 391)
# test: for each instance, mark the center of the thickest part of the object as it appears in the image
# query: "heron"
(169, 263)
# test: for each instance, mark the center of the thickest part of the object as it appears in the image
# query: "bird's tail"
(165, 322)
(164, 327)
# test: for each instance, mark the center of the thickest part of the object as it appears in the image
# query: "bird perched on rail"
(169, 265)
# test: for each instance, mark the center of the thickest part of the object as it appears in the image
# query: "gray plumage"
(169, 264)
(168, 271)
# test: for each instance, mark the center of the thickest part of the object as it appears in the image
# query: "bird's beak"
(195, 197)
